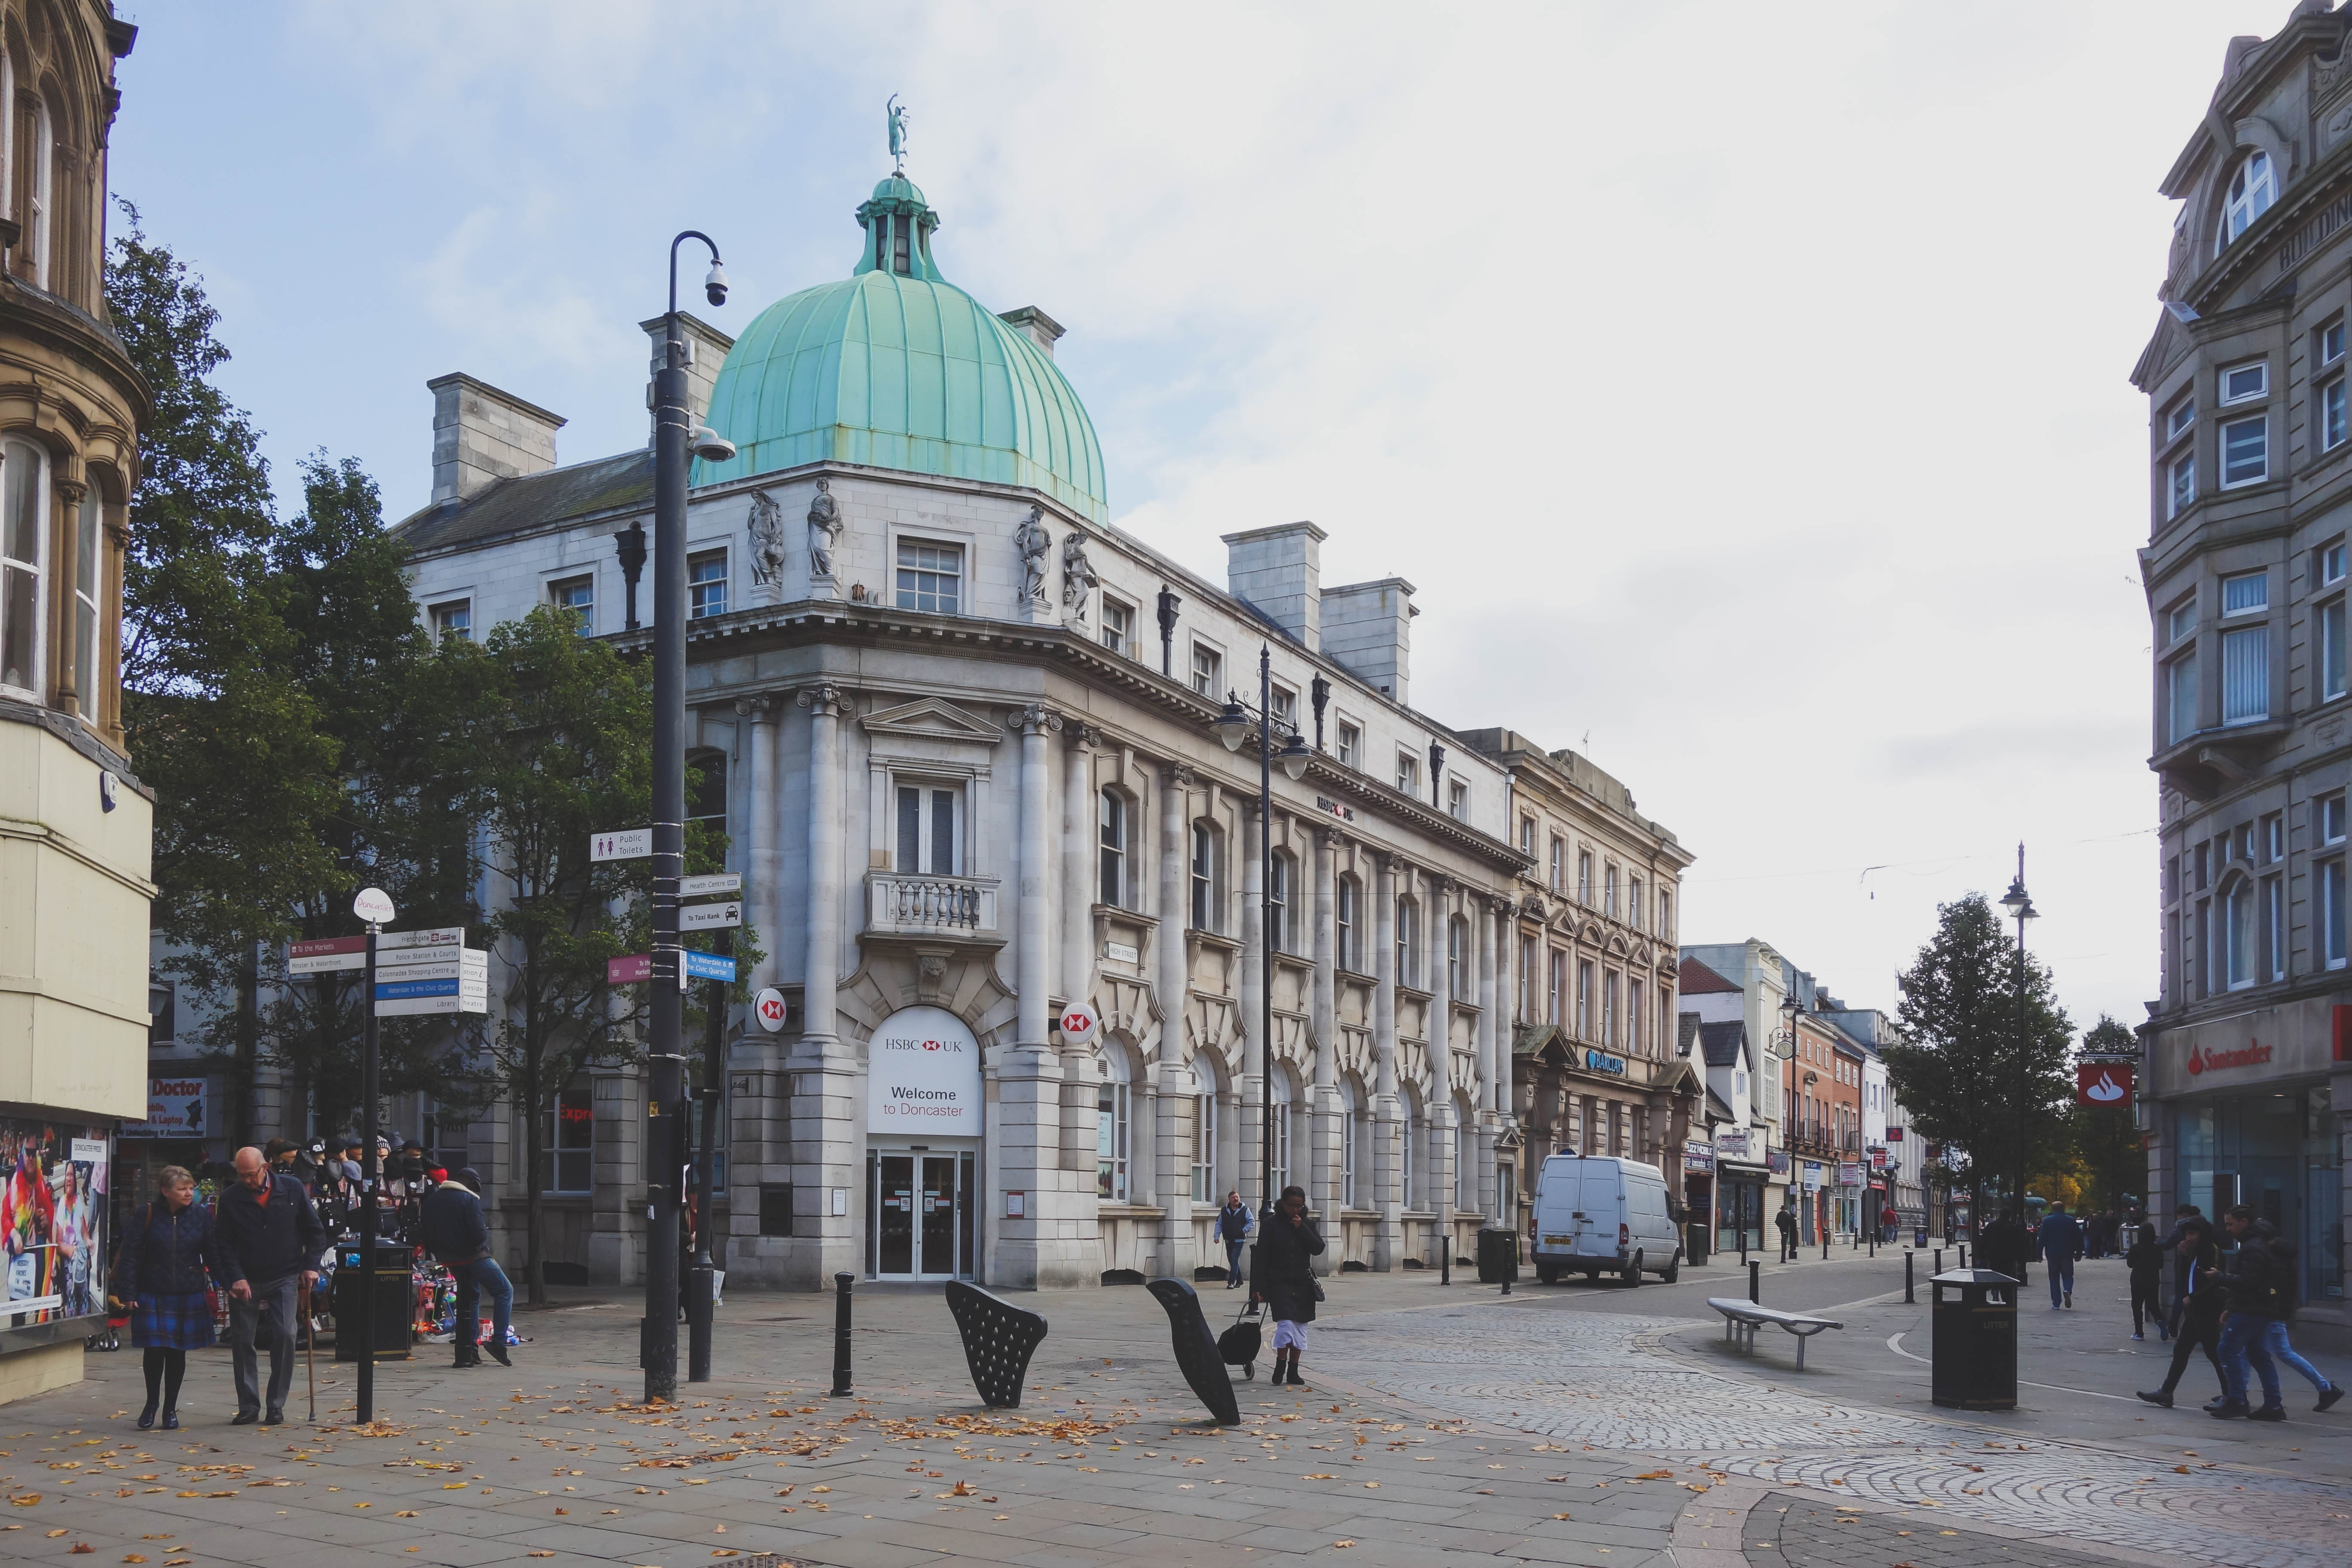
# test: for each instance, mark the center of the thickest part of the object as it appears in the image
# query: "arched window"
(1113, 821)
(2252, 190)
(1279, 930)
(24, 565)
(1205, 878)
(1113, 1129)
(1408, 972)
(1278, 1109)
(1351, 947)
(1350, 1144)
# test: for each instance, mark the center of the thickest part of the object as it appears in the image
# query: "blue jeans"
(1233, 1245)
(2243, 1339)
(2062, 1274)
(472, 1278)
(2274, 1340)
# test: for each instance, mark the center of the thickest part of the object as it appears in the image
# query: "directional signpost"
(711, 917)
(704, 887)
(327, 955)
(628, 844)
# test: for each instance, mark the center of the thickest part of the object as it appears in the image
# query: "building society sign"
(922, 1076)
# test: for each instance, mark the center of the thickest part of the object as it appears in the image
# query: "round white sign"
(922, 1076)
(768, 1006)
(373, 905)
(1080, 1023)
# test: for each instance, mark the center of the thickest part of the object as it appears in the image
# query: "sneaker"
(2328, 1397)
(2229, 1410)
(2268, 1413)
(2157, 1397)
(2138, 1335)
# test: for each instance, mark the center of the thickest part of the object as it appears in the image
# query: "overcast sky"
(1742, 386)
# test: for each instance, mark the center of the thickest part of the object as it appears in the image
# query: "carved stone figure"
(1078, 579)
(767, 539)
(824, 526)
(1034, 541)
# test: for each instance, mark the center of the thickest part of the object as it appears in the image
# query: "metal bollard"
(1939, 1261)
(1909, 1296)
(840, 1283)
(1755, 1281)
(1964, 1255)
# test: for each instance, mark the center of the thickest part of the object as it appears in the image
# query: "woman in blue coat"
(171, 1251)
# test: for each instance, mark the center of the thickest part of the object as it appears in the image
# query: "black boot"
(147, 1416)
(468, 1355)
(497, 1353)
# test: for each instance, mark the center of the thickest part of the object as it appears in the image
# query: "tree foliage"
(1976, 1062)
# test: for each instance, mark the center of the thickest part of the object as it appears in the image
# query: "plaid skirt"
(182, 1322)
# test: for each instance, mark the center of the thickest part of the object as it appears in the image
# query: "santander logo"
(2253, 1053)
(2106, 1089)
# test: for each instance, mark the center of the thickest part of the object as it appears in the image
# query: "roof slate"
(533, 501)
(1726, 1044)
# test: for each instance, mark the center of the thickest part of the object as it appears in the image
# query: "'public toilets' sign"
(922, 1076)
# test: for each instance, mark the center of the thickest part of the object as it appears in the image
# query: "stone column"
(1440, 1050)
(1490, 1026)
(826, 1091)
(1441, 1168)
(1081, 1080)
(1323, 1153)
(1174, 1123)
(1256, 1052)
(764, 893)
(1388, 1129)
(1507, 1006)
(1384, 1024)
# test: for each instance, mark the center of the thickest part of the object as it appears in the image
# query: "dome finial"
(897, 116)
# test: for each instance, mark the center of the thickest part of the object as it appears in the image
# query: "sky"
(1743, 387)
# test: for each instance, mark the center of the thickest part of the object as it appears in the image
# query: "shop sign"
(2252, 1054)
(1602, 1061)
(922, 1076)
(53, 1185)
(176, 1109)
(1698, 1156)
(1731, 1142)
(1879, 1159)
(1849, 1173)
(2107, 1083)
(1894, 1135)
(1810, 1176)
(1776, 1160)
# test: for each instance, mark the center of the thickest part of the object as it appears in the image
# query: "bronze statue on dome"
(898, 117)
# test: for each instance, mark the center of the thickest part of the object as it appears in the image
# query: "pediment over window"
(933, 719)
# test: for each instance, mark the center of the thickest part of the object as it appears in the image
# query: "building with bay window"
(962, 730)
(74, 818)
(2247, 1081)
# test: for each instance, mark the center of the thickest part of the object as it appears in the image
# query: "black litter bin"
(1498, 1257)
(395, 1293)
(1974, 1321)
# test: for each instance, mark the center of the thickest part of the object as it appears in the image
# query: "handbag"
(1319, 1290)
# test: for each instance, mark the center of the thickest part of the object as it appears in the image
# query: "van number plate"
(1559, 1240)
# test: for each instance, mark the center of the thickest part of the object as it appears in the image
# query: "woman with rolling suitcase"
(1281, 1276)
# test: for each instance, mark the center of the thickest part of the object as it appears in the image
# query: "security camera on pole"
(675, 432)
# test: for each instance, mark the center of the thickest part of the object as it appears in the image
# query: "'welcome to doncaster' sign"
(922, 1076)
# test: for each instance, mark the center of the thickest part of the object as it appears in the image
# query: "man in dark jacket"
(457, 1234)
(1785, 1222)
(269, 1227)
(2201, 1297)
(2058, 1240)
(1281, 1276)
(2257, 1298)
(2183, 1217)
(2146, 1260)
(1233, 1228)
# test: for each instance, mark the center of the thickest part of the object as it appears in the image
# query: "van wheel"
(1633, 1272)
(1547, 1275)
(1673, 1271)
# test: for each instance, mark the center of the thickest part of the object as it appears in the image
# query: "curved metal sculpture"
(998, 1341)
(1196, 1349)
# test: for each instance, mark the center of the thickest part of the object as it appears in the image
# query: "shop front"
(923, 1122)
(1740, 1174)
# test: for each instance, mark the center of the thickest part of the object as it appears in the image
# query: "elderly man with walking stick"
(269, 1227)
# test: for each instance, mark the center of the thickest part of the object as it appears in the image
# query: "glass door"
(939, 1214)
(893, 1214)
(921, 1215)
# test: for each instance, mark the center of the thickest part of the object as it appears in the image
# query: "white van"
(1604, 1216)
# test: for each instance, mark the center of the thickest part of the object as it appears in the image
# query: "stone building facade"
(74, 819)
(2247, 1079)
(965, 728)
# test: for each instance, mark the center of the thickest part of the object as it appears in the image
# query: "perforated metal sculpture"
(998, 1341)
(1196, 1349)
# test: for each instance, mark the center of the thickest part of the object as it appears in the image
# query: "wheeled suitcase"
(1238, 1346)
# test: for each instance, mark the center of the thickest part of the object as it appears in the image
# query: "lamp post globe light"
(674, 433)
(2020, 905)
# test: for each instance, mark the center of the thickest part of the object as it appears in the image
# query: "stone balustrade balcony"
(900, 904)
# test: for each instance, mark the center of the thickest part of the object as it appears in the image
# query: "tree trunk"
(247, 1048)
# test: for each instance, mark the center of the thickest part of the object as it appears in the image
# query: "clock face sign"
(1080, 1023)
(768, 1006)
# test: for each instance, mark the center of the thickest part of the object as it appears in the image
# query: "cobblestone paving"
(1589, 1378)
(1813, 1533)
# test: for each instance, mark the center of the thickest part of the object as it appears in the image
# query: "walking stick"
(309, 1343)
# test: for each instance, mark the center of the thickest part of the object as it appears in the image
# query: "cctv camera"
(714, 288)
(711, 446)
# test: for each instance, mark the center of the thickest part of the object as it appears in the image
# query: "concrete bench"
(1742, 1318)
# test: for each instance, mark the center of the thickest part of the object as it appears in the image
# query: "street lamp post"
(1784, 1046)
(2021, 906)
(676, 439)
(1233, 728)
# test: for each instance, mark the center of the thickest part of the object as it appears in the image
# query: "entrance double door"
(919, 1213)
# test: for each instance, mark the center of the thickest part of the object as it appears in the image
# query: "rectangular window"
(1205, 1148)
(577, 594)
(2241, 382)
(775, 1208)
(2274, 928)
(1277, 903)
(1284, 706)
(1119, 627)
(2331, 563)
(2273, 845)
(1666, 915)
(2180, 620)
(2331, 649)
(2204, 865)
(1457, 800)
(2332, 429)
(1584, 877)
(1609, 1008)
(85, 605)
(1633, 1015)
(1350, 956)
(1204, 904)
(705, 585)
(1407, 773)
(1555, 986)
(1528, 836)
(2331, 912)
(2180, 697)
(2245, 451)
(569, 1158)
(1113, 836)
(931, 576)
(1634, 902)
(1526, 987)
(1584, 999)
(1112, 1129)
(2331, 823)
(2182, 415)
(2246, 675)
(2245, 592)
(2182, 490)
(1609, 895)
(1207, 670)
(454, 619)
(1351, 745)
(927, 831)
(2331, 342)
(1558, 863)
(2237, 935)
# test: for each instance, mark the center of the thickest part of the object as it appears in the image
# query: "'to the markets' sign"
(922, 1076)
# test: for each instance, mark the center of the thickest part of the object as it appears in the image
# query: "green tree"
(1974, 1069)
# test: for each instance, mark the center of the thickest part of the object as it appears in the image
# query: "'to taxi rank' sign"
(922, 1076)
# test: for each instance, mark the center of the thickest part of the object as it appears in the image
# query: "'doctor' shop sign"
(922, 1076)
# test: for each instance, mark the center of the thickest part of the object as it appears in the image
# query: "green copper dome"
(894, 367)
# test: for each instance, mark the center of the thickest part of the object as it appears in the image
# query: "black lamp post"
(1233, 727)
(1787, 1047)
(677, 438)
(2020, 908)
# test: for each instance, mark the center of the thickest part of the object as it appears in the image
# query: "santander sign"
(2253, 1053)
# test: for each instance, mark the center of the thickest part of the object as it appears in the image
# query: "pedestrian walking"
(2256, 1302)
(2181, 1217)
(1281, 1276)
(170, 1253)
(1234, 1224)
(1785, 1222)
(2145, 1261)
(2058, 1240)
(457, 1234)
(1890, 1226)
(2199, 1308)
(268, 1226)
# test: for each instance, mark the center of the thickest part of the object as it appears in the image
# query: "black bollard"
(1939, 1261)
(1755, 1281)
(841, 1335)
(1909, 1297)
(1964, 1255)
